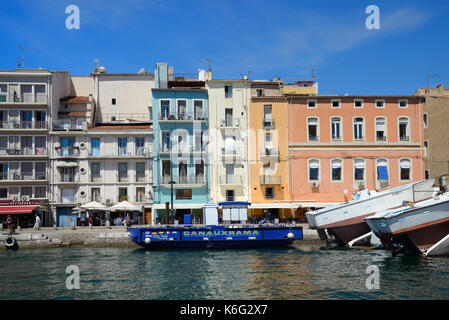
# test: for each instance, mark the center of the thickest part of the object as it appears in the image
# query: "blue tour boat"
(214, 235)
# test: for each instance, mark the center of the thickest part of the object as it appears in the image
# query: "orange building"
(341, 144)
(268, 136)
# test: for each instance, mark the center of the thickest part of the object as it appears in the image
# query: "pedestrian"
(10, 224)
(38, 221)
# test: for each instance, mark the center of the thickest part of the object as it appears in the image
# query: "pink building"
(341, 144)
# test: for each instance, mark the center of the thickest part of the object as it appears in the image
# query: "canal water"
(303, 271)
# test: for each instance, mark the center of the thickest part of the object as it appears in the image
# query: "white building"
(228, 145)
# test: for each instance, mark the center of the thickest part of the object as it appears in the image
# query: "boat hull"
(413, 230)
(214, 237)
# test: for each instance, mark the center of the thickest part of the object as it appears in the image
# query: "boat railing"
(231, 226)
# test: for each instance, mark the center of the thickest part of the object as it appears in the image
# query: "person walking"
(10, 224)
(38, 221)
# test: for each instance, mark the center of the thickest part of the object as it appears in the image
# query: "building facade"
(436, 137)
(341, 144)
(181, 160)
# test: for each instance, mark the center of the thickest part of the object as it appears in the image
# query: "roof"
(71, 99)
(323, 96)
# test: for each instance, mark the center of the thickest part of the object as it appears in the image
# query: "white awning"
(316, 204)
(66, 164)
(273, 206)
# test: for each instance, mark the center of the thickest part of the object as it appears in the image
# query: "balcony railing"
(67, 152)
(95, 177)
(24, 175)
(229, 152)
(123, 177)
(200, 179)
(268, 123)
(231, 180)
(60, 125)
(40, 98)
(141, 198)
(230, 123)
(140, 177)
(183, 116)
(23, 124)
(270, 180)
(269, 151)
(381, 139)
(68, 177)
(404, 138)
(314, 138)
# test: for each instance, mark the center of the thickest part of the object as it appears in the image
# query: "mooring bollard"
(73, 225)
(108, 224)
(18, 228)
(90, 226)
(55, 227)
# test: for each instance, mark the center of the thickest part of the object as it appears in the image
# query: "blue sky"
(268, 38)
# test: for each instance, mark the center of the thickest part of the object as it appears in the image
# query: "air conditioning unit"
(315, 184)
(15, 199)
(108, 202)
(83, 170)
(83, 145)
(25, 198)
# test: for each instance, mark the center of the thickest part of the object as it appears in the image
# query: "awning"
(17, 209)
(274, 206)
(179, 206)
(66, 164)
(382, 172)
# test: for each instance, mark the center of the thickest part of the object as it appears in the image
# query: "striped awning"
(17, 209)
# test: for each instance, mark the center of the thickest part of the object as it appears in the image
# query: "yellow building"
(268, 150)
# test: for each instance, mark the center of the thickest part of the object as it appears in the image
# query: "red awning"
(17, 209)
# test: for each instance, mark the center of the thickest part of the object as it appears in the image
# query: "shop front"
(23, 212)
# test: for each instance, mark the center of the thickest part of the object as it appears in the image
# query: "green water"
(298, 272)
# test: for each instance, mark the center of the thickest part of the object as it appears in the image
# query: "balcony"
(123, 177)
(381, 138)
(15, 124)
(23, 176)
(404, 138)
(141, 198)
(140, 177)
(68, 178)
(70, 152)
(270, 180)
(65, 125)
(268, 123)
(24, 151)
(268, 154)
(230, 153)
(183, 116)
(24, 98)
(95, 177)
(228, 180)
(229, 123)
(200, 179)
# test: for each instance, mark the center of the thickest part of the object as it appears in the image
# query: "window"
(426, 120)
(140, 194)
(26, 192)
(403, 103)
(311, 104)
(199, 110)
(122, 194)
(123, 172)
(165, 141)
(228, 91)
(182, 172)
(183, 194)
(404, 165)
(122, 144)
(95, 146)
(67, 146)
(40, 192)
(140, 146)
(3, 92)
(95, 175)
(336, 128)
(335, 103)
(4, 171)
(269, 193)
(314, 170)
(427, 174)
(426, 148)
(199, 172)
(67, 174)
(40, 171)
(166, 171)
(140, 171)
(358, 129)
(336, 165)
(312, 126)
(259, 92)
(403, 129)
(267, 111)
(113, 101)
(382, 170)
(3, 191)
(40, 145)
(380, 103)
(230, 195)
(182, 109)
(95, 194)
(381, 129)
(199, 135)
(358, 103)
(165, 109)
(359, 169)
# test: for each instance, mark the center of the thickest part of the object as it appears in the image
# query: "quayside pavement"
(48, 237)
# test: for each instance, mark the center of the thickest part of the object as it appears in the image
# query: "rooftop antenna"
(429, 75)
(97, 62)
(313, 74)
(22, 59)
(209, 60)
(249, 72)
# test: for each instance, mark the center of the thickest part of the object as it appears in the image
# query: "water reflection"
(302, 271)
